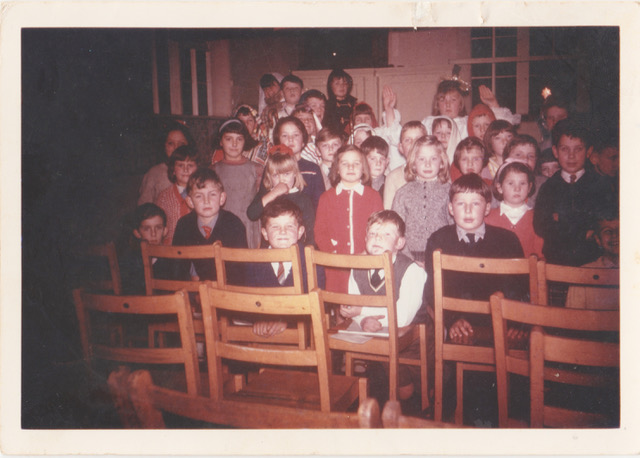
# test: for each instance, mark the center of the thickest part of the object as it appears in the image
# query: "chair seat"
(297, 389)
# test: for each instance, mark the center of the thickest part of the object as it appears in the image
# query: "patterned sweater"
(423, 207)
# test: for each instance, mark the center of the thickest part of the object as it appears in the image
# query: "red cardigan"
(341, 226)
(530, 241)
(174, 206)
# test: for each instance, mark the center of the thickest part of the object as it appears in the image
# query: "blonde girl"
(283, 178)
(343, 211)
(422, 202)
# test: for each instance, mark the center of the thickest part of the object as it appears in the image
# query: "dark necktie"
(472, 238)
(573, 178)
(375, 280)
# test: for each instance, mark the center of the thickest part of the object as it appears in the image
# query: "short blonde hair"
(432, 141)
(280, 163)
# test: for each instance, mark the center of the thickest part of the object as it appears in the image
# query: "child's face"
(318, 106)
(288, 178)
(409, 137)
(607, 162)
(175, 139)
(350, 168)
(377, 163)
(282, 231)
(549, 168)
(339, 86)
(471, 161)
(428, 163)
(232, 145)
(359, 136)
(363, 118)
(271, 93)
(248, 121)
(468, 210)
(571, 153)
(525, 153)
(515, 188)
(207, 200)
(609, 237)
(308, 121)
(450, 104)
(480, 124)
(328, 149)
(152, 230)
(382, 237)
(291, 92)
(553, 115)
(498, 142)
(291, 136)
(443, 133)
(183, 170)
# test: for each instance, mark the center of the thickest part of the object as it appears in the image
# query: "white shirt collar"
(513, 214)
(359, 188)
(567, 176)
(479, 233)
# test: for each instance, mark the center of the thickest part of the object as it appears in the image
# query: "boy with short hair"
(291, 87)
(606, 162)
(282, 226)
(207, 223)
(376, 150)
(410, 132)
(149, 224)
(386, 232)
(567, 202)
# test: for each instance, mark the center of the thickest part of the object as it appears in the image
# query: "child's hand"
(517, 335)
(349, 311)
(388, 98)
(461, 332)
(269, 328)
(487, 97)
(371, 323)
(280, 189)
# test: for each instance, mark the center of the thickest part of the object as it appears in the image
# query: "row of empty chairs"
(466, 357)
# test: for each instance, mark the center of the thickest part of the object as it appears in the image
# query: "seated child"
(328, 142)
(469, 204)
(524, 148)
(498, 134)
(283, 179)
(385, 232)
(259, 133)
(422, 202)
(513, 184)
(317, 101)
(359, 134)
(239, 176)
(446, 131)
(149, 224)
(182, 164)
(291, 87)
(410, 132)
(548, 163)
(606, 162)
(470, 157)
(305, 114)
(479, 119)
(282, 227)
(553, 109)
(607, 236)
(207, 223)
(567, 202)
(376, 150)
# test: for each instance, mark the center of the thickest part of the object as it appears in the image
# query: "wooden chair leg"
(424, 384)
(437, 411)
(363, 389)
(348, 364)
(459, 393)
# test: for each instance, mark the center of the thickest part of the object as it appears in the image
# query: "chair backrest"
(573, 352)
(149, 401)
(184, 253)
(503, 310)
(215, 301)
(257, 255)
(176, 305)
(108, 253)
(573, 276)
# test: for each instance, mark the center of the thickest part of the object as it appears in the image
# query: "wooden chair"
(544, 348)
(302, 389)
(232, 332)
(155, 285)
(176, 305)
(384, 349)
(503, 310)
(149, 401)
(113, 283)
(589, 277)
(467, 357)
(392, 418)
